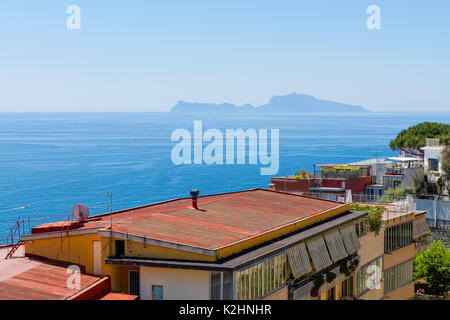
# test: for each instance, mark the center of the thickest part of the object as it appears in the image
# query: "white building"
(433, 159)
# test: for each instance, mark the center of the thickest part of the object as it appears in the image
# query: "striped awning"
(350, 238)
(318, 252)
(420, 227)
(335, 245)
(298, 260)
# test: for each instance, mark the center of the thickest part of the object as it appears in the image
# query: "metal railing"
(400, 208)
(360, 198)
(23, 226)
(395, 206)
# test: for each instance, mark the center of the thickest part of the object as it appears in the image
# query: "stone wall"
(441, 234)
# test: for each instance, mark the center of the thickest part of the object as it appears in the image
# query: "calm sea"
(51, 161)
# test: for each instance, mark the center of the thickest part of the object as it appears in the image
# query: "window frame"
(162, 291)
(129, 281)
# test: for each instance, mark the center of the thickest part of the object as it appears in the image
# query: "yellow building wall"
(119, 277)
(403, 293)
(372, 247)
(139, 249)
(398, 256)
(73, 249)
(402, 219)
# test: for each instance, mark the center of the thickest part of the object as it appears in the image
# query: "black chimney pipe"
(194, 196)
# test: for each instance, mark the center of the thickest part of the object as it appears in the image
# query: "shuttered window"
(369, 276)
(420, 227)
(298, 260)
(260, 279)
(398, 276)
(335, 245)
(350, 238)
(398, 236)
(319, 253)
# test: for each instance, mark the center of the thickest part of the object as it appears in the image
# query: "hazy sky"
(147, 55)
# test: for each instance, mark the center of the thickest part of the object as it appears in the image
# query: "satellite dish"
(80, 211)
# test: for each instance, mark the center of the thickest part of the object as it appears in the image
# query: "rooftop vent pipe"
(194, 196)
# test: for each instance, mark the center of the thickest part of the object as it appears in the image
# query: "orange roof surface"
(221, 220)
(26, 279)
(118, 296)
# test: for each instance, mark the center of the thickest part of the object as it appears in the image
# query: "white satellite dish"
(80, 211)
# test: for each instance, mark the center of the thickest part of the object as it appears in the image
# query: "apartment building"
(255, 244)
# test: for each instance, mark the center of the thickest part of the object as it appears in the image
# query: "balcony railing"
(400, 208)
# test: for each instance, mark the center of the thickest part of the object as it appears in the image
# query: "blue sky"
(147, 55)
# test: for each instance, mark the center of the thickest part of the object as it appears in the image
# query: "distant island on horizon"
(291, 103)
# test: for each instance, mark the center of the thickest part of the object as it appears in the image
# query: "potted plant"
(318, 281)
(330, 276)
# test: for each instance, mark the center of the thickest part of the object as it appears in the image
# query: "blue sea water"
(51, 161)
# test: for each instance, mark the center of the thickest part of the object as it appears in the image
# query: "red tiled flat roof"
(118, 296)
(26, 279)
(223, 219)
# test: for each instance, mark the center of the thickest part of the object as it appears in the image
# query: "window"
(256, 281)
(433, 165)
(120, 248)
(331, 294)
(398, 236)
(215, 285)
(362, 228)
(368, 276)
(227, 286)
(347, 287)
(398, 276)
(133, 283)
(157, 292)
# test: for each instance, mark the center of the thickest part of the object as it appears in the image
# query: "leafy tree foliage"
(433, 266)
(444, 179)
(423, 186)
(391, 195)
(303, 174)
(374, 215)
(415, 137)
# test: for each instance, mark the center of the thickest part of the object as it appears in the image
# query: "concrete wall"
(404, 293)
(178, 284)
(438, 212)
(374, 294)
(399, 256)
(372, 247)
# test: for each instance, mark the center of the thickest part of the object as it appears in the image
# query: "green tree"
(302, 174)
(391, 195)
(374, 215)
(415, 137)
(444, 179)
(433, 266)
(423, 186)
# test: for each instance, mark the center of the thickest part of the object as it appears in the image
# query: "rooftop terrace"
(221, 219)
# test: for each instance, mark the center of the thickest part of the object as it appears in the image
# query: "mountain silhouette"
(291, 103)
